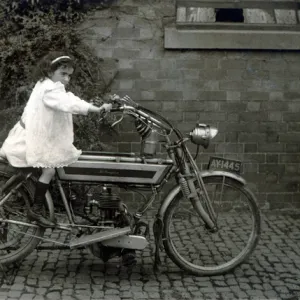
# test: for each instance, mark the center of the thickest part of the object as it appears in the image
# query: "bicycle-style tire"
(14, 250)
(190, 250)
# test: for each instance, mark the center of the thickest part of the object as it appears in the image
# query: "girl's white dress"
(47, 139)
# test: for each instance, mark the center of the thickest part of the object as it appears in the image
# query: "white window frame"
(230, 35)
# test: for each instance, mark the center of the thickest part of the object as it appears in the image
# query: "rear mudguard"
(176, 189)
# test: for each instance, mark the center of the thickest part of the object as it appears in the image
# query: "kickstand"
(9, 279)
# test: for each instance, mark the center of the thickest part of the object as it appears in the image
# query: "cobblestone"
(271, 273)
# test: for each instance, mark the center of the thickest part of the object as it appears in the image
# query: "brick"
(212, 117)
(190, 95)
(291, 96)
(189, 116)
(231, 137)
(292, 148)
(254, 64)
(230, 148)
(125, 53)
(274, 65)
(169, 74)
(287, 137)
(254, 96)
(253, 116)
(168, 95)
(146, 65)
(175, 85)
(289, 158)
(253, 106)
(190, 64)
(273, 85)
(293, 85)
(233, 106)
(233, 96)
(147, 95)
(273, 158)
(128, 74)
(233, 85)
(255, 74)
(211, 95)
(294, 107)
(250, 167)
(255, 157)
(193, 105)
(210, 85)
(276, 96)
(126, 84)
(174, 116)
(211, 63)
(278, 200)
(250, 148)
(234, 74)
(148, 84)
(233, 64)
(188, 74)
(271, 147)
(125, 63)
(125, 33)
(275, 116)
(171, 106)
(290, 116)
(104, 53)
(213, 74)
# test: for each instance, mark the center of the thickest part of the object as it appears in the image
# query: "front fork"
(187, 183)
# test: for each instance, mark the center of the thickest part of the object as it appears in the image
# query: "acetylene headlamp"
(202, 134)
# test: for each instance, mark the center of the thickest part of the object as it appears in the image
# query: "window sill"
(231, 39)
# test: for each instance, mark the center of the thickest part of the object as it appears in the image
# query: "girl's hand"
(106, 107)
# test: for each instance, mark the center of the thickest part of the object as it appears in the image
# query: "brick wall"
(251, 96)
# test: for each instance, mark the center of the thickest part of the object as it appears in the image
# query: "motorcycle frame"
(182, 164)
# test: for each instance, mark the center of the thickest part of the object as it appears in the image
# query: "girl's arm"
(57, 99)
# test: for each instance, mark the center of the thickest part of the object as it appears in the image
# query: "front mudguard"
(176, 189)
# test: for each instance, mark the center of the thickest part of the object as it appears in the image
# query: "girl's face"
(62, 74)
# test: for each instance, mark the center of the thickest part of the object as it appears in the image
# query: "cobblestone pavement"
(272, 272)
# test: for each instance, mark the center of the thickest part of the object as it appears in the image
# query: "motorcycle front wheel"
(202, 252)
(16, 240)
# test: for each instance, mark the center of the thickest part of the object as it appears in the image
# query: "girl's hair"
(46, 66)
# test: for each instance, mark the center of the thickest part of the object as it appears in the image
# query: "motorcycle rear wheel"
(198, 251)
(16, 241)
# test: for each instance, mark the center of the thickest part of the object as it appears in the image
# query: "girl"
(43, 138)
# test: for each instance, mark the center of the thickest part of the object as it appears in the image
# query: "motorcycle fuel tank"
(116, 168)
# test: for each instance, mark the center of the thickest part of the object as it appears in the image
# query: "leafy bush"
(30, 32)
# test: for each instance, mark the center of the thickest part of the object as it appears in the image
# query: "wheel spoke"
(200, 251)
(16, 240)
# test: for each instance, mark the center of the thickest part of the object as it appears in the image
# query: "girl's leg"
(39, 199)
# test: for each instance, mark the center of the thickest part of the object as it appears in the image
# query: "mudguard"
(176, 189)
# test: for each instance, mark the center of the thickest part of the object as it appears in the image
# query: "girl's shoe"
(39, 219)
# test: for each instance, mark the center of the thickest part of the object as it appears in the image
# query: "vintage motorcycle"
(208, 223)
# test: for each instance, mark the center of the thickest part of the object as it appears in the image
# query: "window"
(235, 24)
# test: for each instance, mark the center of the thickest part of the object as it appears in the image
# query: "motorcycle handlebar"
(126, 104)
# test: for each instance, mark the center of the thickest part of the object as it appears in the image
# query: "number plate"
(220, 163)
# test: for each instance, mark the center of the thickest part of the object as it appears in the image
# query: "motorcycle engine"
(106, 208)
(102, 207)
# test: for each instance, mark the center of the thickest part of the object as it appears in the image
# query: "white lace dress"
(47, 139)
